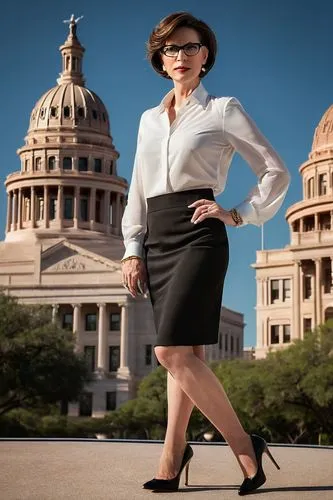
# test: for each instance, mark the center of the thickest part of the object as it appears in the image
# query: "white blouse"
(196, 152)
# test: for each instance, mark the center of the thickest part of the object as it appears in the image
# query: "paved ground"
(63, 470)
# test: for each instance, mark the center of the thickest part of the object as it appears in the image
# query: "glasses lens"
(191, 49)
(170, 50)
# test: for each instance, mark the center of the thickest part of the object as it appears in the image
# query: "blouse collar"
(199, 95)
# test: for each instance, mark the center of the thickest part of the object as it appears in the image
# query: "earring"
(163, 67)
(203, 69)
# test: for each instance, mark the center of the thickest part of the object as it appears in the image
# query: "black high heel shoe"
(172, 484)
(252, 483)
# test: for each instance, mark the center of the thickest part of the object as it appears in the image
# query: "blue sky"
(274, 56)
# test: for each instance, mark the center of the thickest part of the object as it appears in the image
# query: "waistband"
(177, 198)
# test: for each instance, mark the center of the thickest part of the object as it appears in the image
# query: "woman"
(175, 236)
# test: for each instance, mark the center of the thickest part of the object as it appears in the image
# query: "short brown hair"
(164, 30)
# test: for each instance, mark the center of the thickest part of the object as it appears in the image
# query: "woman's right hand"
(134, 271)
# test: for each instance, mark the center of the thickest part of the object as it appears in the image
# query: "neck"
(182, 91)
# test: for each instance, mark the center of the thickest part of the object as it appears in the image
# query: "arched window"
(52, 163)
(38, 163)
(311, 187)
(322, 184)
(67, 112)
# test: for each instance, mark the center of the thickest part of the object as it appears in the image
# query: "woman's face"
(184, 68)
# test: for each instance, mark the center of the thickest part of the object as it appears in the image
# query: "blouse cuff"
(133, 248)
(247, 213)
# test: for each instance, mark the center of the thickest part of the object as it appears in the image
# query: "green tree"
(38, 365)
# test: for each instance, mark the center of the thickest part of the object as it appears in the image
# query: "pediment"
(66, 259)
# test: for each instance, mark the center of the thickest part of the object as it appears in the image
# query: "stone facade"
(63, 240)
(294, 284)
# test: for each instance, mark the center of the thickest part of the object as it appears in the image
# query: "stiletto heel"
(186, 472)
(172, 484)
(252, 483)
(272, 458)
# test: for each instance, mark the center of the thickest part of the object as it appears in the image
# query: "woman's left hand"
(209, 208)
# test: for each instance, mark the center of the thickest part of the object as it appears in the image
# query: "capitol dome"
(69, 105)
(323, 136)
(68, 185)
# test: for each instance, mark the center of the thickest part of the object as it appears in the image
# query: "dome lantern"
(72, 55)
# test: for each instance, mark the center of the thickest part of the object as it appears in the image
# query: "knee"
(171, 357)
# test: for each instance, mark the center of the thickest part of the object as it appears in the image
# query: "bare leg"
(180, 408)
(206, 392)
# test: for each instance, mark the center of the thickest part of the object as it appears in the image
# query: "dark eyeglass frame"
(183, 48)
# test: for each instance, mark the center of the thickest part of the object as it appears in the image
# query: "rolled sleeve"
(264, 199)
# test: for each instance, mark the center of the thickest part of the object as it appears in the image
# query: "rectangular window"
(274, 291)
(307, 286)
(111, 401)
(84, 209)
(148, 352)
(274, 334)
(98, 165)
(307, 324)
(89, 354)
(83, 164)
(91, 324)
(67, 163)
(114, 322)
(114, 358)
(226, 342)
(286, 334)
(286, 290)
(53, 208)
(67, 321)
(85, 404)
(68, 207)
(231, 344)
(237, 346)
(327, 278)
(220, 341)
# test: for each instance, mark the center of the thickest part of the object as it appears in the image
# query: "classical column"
(265, 291)
(118, 214)
(19, 209)
(33, 206)
(106, 209)
(77, 325)
(76, 206)
(317, 292)
(301, 225)
(296, 300)
(9, 210)
(92, 207)
(123, 369)
(60, 205)
(102, 338)
(15, 209)
(55, 308)
(46, 206)
(316, 219)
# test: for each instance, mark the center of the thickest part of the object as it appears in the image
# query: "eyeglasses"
(190, 49)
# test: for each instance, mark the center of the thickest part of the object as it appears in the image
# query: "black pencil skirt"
(186, 266)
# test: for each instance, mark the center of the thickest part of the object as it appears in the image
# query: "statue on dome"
(72, 24)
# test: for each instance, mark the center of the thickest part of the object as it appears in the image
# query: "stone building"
(63, 241)
(294, 284)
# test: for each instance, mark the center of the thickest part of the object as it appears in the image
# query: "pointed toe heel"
(252, 483)
(172, 484)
